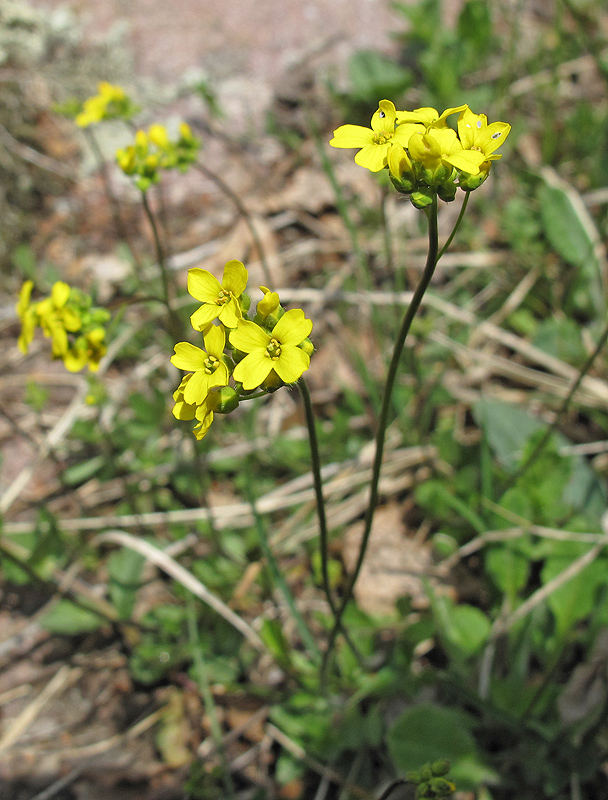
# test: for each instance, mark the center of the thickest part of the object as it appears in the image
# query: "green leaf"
(574, 600)
(571, 232)
(374, 76)
(81, 472)
(426, 733)
(124, 567)
(70, 620)
(508, 568)
(465, 627)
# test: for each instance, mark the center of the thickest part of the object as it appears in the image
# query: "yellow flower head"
(110, 102)
(187, 411)
(220, 300)
(56, 318)
(277, 351)
(209, 368)
(375, 142)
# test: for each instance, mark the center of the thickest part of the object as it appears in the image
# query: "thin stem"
(542, 442)
(315, 460)
(243, 212)
(408, 318)
(102, 166)
(164, 271)
(450, 238)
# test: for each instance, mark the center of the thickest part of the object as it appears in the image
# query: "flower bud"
(447, 191)
(440, 787)
(469, 183)
(441, 767)
(307, 346)
(401, 170)
(222, 399)
(422, 199)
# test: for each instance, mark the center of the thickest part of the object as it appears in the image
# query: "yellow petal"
(384, 118)
(291, 363)
(215, 341)
(253, 369)
(235, 278)
(466, 160)
(373, 157)
(204, 315)
(249, 337)
(292, 328)
(60, 293)
(189, 357)
(203, 286)
(352, 136)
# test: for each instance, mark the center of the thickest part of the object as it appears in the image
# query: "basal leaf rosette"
(269, 354)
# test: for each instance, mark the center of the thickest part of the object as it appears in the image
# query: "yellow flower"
(479, 141)
(56, 318)
(186, 411)
(220, 301)
(429, 117)
(86, 350)
(110, 102)
(208, 368)
(276, 352)
(434, 150)
(27, 314)
(376, 142)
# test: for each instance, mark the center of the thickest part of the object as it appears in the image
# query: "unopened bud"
(222, 399)
(307, 346)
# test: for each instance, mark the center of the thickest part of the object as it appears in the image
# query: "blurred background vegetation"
(481, 615)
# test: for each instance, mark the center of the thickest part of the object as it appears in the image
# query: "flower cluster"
(263, 353)
(111, 102)
(423, 154)
(154, 151)
(68, 318)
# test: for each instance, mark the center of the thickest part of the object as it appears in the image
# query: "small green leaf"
(427, 733)
(69, 619)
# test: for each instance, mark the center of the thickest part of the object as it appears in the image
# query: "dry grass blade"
(63, 678)
(164, 561)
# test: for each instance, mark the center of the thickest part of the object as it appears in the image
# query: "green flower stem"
(244, 214)
(408, 318)
(315, 460)
(174, 323)
(318, 484)
(450, 238)
(542, 442)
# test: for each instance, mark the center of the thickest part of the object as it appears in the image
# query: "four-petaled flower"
(220, 301)
(376, 142)
(479, 140)
(277, 351)
(208, 368)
